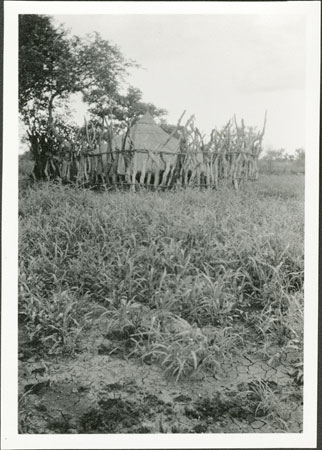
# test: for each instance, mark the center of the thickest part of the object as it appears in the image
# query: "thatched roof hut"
(155, 150)
(147, 135)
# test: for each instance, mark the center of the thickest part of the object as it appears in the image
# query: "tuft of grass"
(52, 325)
(180, 347)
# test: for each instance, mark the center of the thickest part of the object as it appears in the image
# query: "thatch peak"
(146, 134)
(146, 119)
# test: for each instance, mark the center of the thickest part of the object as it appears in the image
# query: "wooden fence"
(93, 159)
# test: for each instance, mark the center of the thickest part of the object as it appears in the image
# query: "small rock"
(182, 398)
(257, 424)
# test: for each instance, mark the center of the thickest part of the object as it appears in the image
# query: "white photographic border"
(10, 438)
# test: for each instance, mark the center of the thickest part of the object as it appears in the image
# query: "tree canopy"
(128, 107)
(53, 65)
(281, 155)
(47, 63)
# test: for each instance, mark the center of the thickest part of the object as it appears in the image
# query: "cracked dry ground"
(99, 392)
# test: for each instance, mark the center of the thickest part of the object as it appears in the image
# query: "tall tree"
(47, 65)
(130, 106)
(52, 66)
(103, 69)
(48, 73)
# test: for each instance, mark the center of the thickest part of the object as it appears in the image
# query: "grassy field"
(282, 168)
(161, 311)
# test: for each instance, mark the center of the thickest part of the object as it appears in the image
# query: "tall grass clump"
(212, 259)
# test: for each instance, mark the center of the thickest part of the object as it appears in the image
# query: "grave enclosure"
(146, 156)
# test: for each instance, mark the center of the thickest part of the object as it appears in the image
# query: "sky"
(213, 66)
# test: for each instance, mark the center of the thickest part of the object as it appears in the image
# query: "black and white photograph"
(160, 224)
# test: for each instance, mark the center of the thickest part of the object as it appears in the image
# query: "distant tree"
(300, 155)
(299, 160)
(274, 155)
